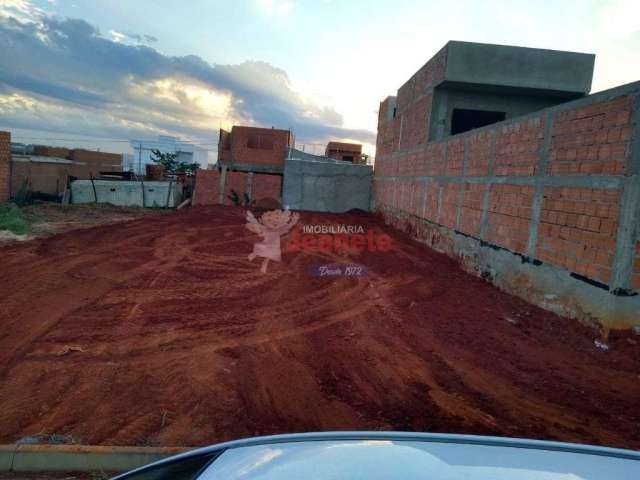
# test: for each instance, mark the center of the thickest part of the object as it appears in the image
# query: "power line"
(101, 139)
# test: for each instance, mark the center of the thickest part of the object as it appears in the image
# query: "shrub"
(12, 218)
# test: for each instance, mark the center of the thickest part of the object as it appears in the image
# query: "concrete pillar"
(629, 218)
(223, 180)
(538, 195)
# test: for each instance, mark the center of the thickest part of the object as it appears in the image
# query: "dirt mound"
(159, 331)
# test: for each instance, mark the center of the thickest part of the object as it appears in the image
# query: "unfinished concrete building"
(498, 156)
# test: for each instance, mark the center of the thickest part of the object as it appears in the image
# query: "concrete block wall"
(553, 196)
(327, 186)
(5, 166)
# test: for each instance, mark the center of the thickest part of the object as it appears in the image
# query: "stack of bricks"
(5, 166)
(549, 186)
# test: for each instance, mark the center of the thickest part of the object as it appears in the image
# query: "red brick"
(5, 168)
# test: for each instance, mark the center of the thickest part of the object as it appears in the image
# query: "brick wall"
(266, 186)
(255, 146)
(636, 268)
(578, 228)
(409, 127)
(509, 215)
(207, 189)
(593, 139)
(5, 165)
(48, 151)
(550, 187)
(471, 209)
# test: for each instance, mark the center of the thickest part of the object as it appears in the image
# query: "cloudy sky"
(86, 70)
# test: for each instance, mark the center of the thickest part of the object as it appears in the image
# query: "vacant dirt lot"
(50, 218)
(160, 331)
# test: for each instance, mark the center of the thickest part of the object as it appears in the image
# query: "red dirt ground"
(160, 332)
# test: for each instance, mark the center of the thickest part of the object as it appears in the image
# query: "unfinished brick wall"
(5, 166)
(207, 188)
(559, 187)
(593, 139)
(635, 281)
(578, 229)
(403, 122)
(257, 186)
(267, 187)
(254, 146)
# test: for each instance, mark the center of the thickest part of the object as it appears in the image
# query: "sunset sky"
(101, 72)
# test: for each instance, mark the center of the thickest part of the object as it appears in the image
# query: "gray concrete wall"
(445, 100)
(518, 67)
(326, 186)
(126, 194)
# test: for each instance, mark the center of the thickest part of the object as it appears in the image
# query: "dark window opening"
(263, 142)
(395, 110)
(347, 158)
(464, 120)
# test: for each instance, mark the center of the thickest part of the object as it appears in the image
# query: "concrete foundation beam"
(79, 458)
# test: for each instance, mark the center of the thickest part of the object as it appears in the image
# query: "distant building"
(347, 152)
(142, 153)
(45, 170)
(253, 149)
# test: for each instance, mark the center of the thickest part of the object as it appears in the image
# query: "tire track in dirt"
(182, 341)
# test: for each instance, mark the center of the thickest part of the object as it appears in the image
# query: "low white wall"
(126, 193)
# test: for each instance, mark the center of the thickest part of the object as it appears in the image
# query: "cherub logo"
(270, 227)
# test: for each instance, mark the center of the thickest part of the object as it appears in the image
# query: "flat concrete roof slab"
(519, 67)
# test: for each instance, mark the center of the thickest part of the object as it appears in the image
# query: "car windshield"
(385, 459)
(222, 220)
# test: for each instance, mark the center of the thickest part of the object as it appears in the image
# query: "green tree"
(171, 164)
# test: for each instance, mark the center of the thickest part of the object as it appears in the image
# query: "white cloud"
(21, 10)
(117, 36)
(276, 7)
(66, 76)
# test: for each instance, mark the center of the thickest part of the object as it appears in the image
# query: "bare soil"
(160, 332)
